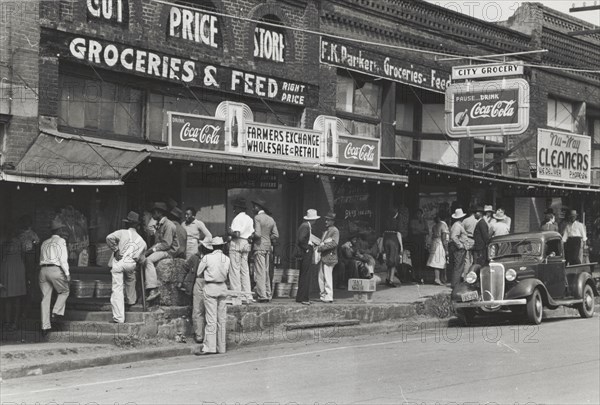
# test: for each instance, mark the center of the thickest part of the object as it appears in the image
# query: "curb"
(76, 364)
(326, 334)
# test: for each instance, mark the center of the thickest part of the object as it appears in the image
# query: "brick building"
(97, 96)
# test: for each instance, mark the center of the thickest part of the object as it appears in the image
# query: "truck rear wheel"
(535, 307)
(586, 308)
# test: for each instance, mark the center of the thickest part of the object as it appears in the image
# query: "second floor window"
(100, 107)
(560, 114)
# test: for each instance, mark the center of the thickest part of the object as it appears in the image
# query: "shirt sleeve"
(274, 232)
(205, 231)
(167, 242)
(202, 266)
(112, 241)
(64, 256)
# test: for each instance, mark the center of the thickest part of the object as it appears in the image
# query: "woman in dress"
(439, 249)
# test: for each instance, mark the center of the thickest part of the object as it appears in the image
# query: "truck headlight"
(471, 277)
(510, 275)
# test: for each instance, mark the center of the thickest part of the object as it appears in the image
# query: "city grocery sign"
(563, 156)
(499, 107)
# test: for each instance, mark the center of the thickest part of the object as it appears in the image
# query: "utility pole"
(574, 9)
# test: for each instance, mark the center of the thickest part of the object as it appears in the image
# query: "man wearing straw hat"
(306, 246)
(501, 225)
(329, 257)
(265, 234)
(215, 269)
(128, 247)
(54, 273)
(166, 245)
(457, 245)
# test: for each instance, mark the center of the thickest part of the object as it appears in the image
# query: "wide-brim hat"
(330, 215)
(239, 202)
(56, 224)
(160, 206)
(458, 214)
(176, 213)
(573, 213)
(132, 218)
(499, 217)
(217, 241)
(259, 202)
(311, 215)
(207, 244)
(488, 208)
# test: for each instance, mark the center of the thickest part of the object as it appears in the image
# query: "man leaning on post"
(128, 247)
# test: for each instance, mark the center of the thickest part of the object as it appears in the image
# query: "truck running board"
(568, 302)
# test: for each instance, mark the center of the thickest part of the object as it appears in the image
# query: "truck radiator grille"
(492, 282)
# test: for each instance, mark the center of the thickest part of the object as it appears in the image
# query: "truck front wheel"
(535, 307)
(586, 308)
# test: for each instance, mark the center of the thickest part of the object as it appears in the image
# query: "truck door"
(553, 270)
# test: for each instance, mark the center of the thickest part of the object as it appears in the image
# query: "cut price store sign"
(563, 157)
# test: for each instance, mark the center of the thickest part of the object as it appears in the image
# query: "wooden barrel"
(83, 289)
(103, 289)
(283, 290)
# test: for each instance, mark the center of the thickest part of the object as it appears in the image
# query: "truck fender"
(581, 280)
(525, 288)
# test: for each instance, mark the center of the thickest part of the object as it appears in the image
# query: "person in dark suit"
(481, 237)
(306, 249)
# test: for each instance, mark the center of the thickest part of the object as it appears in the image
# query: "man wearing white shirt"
(240, 231)
(128, 247)
(574, 237)
(54, 273)
(196, 231)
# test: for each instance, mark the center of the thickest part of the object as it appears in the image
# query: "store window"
(159, 105)
(100, 107)
(358, 104)
(560, 114)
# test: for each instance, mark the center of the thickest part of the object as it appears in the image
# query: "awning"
(64, 159)
(403, 165)
(235, 160)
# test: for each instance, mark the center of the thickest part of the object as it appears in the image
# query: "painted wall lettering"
(190, 25)
(110, 10)
(269, 44)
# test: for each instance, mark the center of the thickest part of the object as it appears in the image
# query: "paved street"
(555, 363)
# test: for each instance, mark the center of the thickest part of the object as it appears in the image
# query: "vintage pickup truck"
(527, 272)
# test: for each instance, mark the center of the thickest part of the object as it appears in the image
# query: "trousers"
(262, 261)
(198, 312)
(326, 282)
(150, 268)
(123, 273)
(457, 256)
(239, 273)
(216, 324)
(52, 278)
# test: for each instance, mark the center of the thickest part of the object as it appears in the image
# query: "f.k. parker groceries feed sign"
(563, 157)
(358, 152)
(371, 63)
(287, 143)
(196, 132)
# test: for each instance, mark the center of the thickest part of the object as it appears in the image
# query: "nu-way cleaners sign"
(563, 157)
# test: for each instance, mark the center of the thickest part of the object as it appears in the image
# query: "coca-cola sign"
(196, 132)
(358, 152)
(487, 108)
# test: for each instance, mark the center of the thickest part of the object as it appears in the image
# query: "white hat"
(500, 216)
(488, 208)
(458, 214)
(311, 214)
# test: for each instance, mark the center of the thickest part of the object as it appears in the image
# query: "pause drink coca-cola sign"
(197, 132)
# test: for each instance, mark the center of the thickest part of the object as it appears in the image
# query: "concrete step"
(96, 305)
(102, 316)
